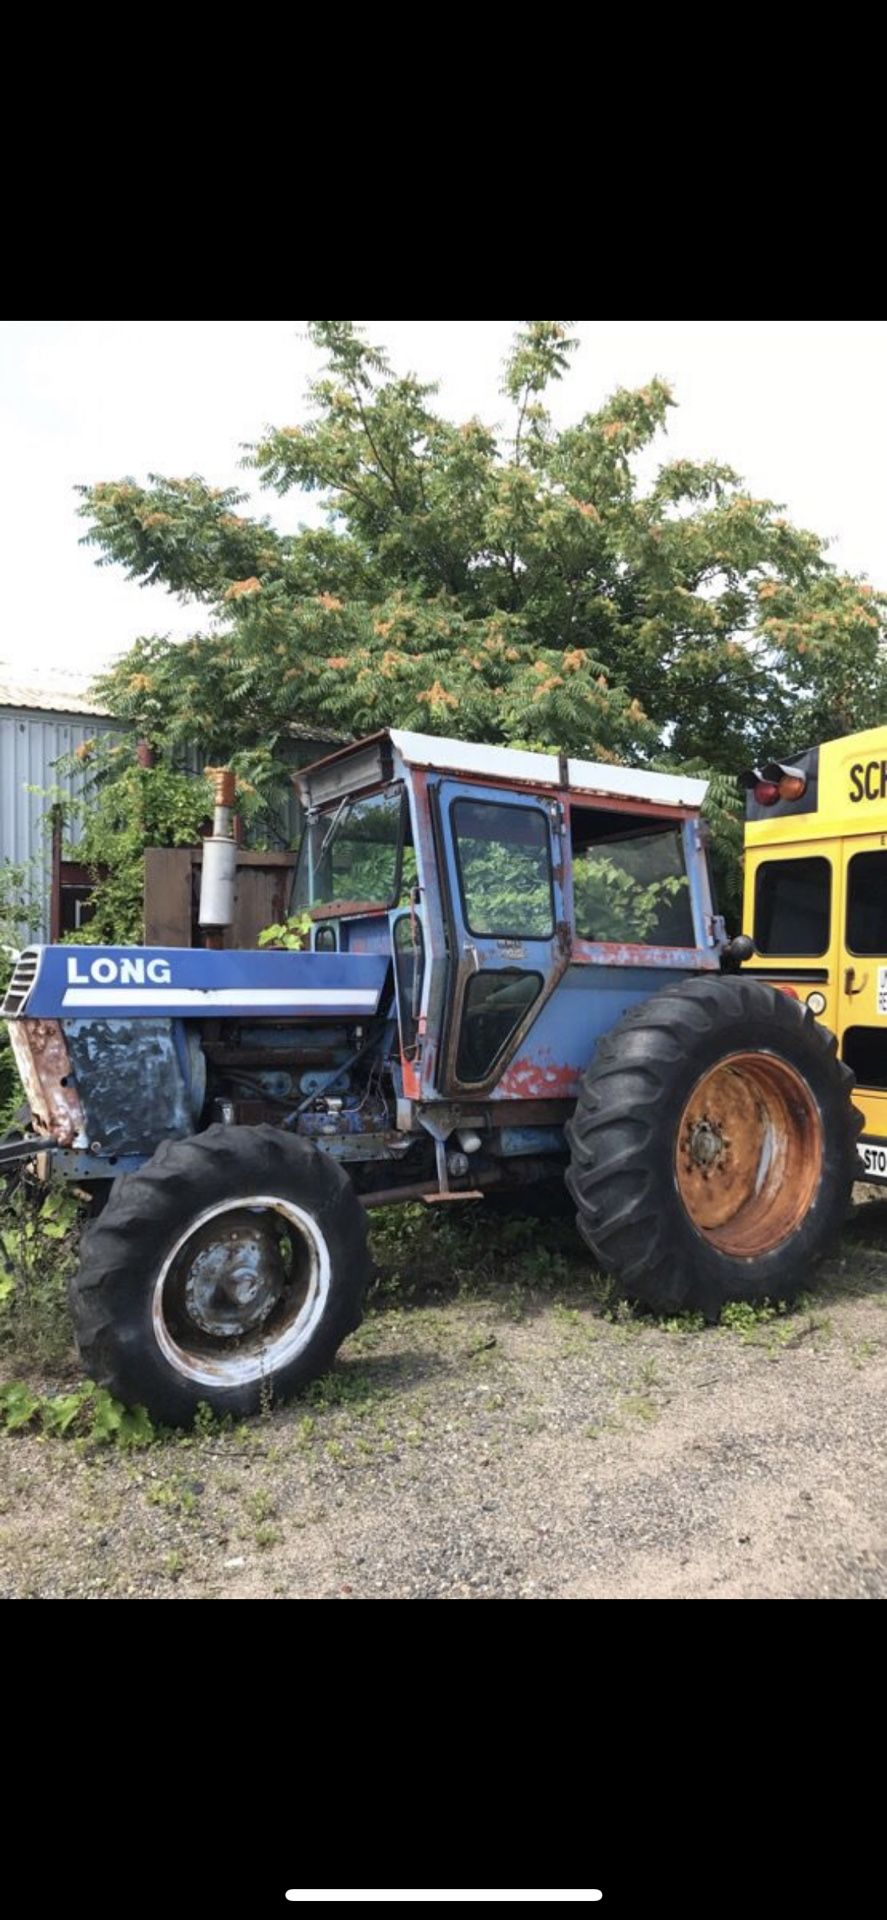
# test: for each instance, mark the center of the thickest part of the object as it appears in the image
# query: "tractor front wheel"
(713, 1146)
(227, 1270)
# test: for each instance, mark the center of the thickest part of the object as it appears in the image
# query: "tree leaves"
(501, 585)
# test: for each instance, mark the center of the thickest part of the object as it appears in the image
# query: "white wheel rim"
(233, 1364)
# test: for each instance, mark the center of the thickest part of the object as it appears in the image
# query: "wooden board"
(172, 896)
(168, 896)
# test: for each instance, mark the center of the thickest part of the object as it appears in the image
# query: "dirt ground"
(494, 1430)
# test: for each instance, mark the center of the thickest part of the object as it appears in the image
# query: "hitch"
(12, 1151)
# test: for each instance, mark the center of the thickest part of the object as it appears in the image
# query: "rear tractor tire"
(713, 1147)
(227, 1270)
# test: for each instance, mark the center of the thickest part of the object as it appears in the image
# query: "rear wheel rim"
(242, 1292)
(749, 1154)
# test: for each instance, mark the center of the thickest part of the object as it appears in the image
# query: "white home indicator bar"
(445, 1893)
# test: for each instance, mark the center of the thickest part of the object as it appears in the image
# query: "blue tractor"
(516, 974)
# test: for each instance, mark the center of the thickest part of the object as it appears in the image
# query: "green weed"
(177, 1494)
(639, 1407)
(87, 1413)
(38, 1251)
(261, 1505)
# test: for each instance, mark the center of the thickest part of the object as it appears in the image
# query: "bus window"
(867, 903)
(865, 1051)
(793, 907)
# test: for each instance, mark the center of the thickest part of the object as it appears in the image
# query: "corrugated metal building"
(39, 725)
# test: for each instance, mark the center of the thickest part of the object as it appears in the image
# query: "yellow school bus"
(815, 903)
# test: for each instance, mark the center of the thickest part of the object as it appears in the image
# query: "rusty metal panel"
(555, 1052)
(44, 1068)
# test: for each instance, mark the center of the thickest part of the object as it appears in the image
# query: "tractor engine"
(315, 1081)
(115, 1057)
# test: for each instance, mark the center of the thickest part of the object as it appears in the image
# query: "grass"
(379, 1399)
(177, 1494)
(777, 1325)
(509, 1269)
(639, 1407)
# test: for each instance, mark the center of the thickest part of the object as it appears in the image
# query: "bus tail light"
(790, 782)
(774, 782)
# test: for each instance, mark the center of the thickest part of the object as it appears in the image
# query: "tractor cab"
(815, 903)
(504, 884)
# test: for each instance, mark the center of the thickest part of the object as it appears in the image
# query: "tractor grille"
(23, 977)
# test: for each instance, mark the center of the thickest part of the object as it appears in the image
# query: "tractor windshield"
(351, 855)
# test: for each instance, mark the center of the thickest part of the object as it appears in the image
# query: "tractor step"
(438, 1199)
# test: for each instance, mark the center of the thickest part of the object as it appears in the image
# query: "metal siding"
(30, 744)
(31, 741)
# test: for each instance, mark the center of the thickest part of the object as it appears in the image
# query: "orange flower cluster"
(437, 696)
(239, 588)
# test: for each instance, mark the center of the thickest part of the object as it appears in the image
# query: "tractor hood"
(59, 983)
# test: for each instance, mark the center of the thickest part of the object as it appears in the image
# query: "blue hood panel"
(105, 983)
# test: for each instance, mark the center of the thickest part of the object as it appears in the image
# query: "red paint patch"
(538, 1080)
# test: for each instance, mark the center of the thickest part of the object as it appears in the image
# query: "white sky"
(799, 408)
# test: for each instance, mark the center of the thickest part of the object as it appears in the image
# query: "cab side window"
(793, 907)
(867, 903)
(505, 869)
(629, 879)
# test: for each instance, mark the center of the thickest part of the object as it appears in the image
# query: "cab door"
(506, 925)
(862, 979)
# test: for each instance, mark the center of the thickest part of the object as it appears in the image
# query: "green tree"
(516, 585)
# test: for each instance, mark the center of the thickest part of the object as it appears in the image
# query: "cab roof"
(383, 755)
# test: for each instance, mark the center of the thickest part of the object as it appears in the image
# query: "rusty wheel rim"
(749, 1153)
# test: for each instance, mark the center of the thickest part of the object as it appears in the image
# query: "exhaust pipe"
(218, 879)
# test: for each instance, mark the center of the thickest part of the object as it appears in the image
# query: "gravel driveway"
(497, 1428)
